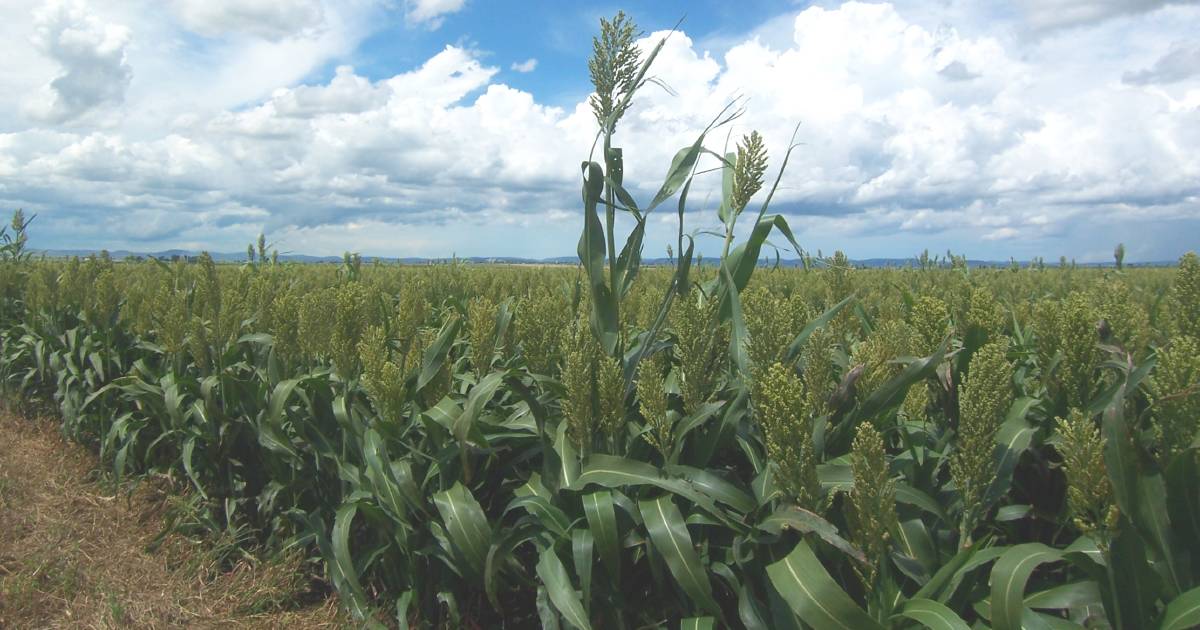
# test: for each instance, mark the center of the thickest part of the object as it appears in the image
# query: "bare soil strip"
(73, 553)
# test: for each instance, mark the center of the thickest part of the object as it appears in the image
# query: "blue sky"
(438, 127)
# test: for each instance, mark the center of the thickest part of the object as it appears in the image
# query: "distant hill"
(873, 263)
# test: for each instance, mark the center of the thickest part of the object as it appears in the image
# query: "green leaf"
(343, 563)
(1153, 523)
(1137, 585)
(672, 540)
(812, 594)
(916, 542)
(568, 461)
(932, 615)
(550, 516)
(697, 623)
(797, 344)
(1183, 612)
(1183, 500)
(744, 258)
(803, 521)
(739, 337)
(715, 486)
(189, 449)
(1012, 438)
(893, 391)
(616, 472)
(466, 525)
(630, 258)
(480, 394)
(379, 473)
(558, 586)
(1009, 576)
(402, 604)
(1065, 596)
(546, 612)
(603, 317)
(602, 520)
(677, 174)
(1119, 456)
(945, 581)
(725, 211)
(435, 354)
(582, 547)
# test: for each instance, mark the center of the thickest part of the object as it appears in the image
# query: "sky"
(457, 127)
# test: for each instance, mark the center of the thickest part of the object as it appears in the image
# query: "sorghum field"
(727, 444)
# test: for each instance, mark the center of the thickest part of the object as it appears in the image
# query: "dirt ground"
(73, 553)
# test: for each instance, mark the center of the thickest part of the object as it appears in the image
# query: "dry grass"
(73, 553)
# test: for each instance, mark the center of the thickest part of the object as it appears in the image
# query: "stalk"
(610, 236)
(1112, 586)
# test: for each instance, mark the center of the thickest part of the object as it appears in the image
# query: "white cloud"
(1052, 14)
(268, 19)
(913, 136)
(91, 55)
(529, 65)
(1181, 62)
(431, 13)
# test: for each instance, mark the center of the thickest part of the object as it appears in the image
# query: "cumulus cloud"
(529, 65)
(91, 55)
(268, 19)
(1182, 62)
(1053, 14)
(912, 136)
(431, 13)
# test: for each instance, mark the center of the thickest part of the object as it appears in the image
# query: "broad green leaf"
(617, 472)
(1135, 586)
(279, 398)
(797, 345)
(671, 539)
(480, 394)
(558, 586)
(1183, 500)
(435, 354)
(1119, 456)
(547, 614)
(932, 615)
(379, 472)
(715, 486)
(602, 520)
(342, 563)
(725, 211)
(806, 522)
(892, 392)
(812, 594)
(1009, 576)
(744, 258)
(1012, 438)
(681, 167)
(603, 317)
(582, 548)
(1064, 596)
(466, 525)
(945, 582)
(402, 604)
(1183, 612)
(568, 461)
(1153, 523)
(630, 259)
(189, 450)
(739, 337)
(550, 516)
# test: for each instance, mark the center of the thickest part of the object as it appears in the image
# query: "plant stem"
(610, 218)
